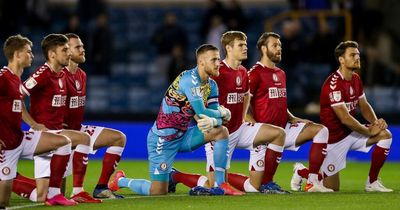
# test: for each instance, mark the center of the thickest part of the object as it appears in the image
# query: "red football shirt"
(232, 85)
(76, 88)
(338, 91)
(48, 92)
(11, 109)
(268, 90)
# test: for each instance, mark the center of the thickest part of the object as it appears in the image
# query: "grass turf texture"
(352, 195)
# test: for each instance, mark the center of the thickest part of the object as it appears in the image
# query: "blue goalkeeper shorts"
(162, 153)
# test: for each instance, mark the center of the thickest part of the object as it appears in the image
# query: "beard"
(355, 67)
(212, 73)
(273, 57)
(78, 59)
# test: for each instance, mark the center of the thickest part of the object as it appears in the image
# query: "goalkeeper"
(186, 99)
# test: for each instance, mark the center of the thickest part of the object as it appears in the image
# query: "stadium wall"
(136, 148)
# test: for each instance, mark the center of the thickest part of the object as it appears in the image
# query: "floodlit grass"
(352, 195)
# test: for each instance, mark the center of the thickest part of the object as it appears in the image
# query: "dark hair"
(72, 35)
(230, 36)
(52, 41)
(341, 48)
(263, 39)
(205, 48)
(14, 43)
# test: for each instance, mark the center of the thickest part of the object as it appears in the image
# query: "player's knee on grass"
(332, 182)
(159, 188)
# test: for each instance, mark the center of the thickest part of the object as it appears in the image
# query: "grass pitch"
(351, 196)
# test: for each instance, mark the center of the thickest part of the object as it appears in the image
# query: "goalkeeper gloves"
(225, 113)
(206, 123)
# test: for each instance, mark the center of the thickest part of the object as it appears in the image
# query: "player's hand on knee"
(206, 123)
(374, 129)
(39, 127)
(225, 113)
(381, 123)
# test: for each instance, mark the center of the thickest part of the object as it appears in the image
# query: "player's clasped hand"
(226, 114)
(381, 123)
(374, 129)
(206, 123)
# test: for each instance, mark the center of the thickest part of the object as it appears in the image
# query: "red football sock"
(79, 165)
(303, 173)
(272, 159)
(317, 156)
(58, 165)
(189, 180)
(377, 160)
(22, 187)
(237, 180)
(25, 179)
(110, 163)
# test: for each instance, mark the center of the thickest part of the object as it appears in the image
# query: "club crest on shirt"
(260, 163)
(337, 96)
(6, 171)
(163, 166)
(60, 83)
(331, 167)
(275, 77)
(30, 83)
(238, 81)
(77, 85)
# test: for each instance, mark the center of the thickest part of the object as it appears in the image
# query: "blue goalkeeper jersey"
(185, 97)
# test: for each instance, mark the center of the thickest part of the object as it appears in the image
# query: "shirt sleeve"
(35, 81)
(253, 80)
(191, 88)
(3, 82)
(246, 84)
(335, 92)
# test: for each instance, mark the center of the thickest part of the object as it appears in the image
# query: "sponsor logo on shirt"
(77, 101)
(277, 92)
(17, 106)
(30, 83)
(196, 91)
(58, 101)
(235, 98)
(351, 105)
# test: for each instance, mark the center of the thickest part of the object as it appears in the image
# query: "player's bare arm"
(352, 123)
(246, 104)
(368, 113)
(30, 121)
(366, 110)
(249, 116)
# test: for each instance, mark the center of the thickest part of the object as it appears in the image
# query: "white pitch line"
(127, 197)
